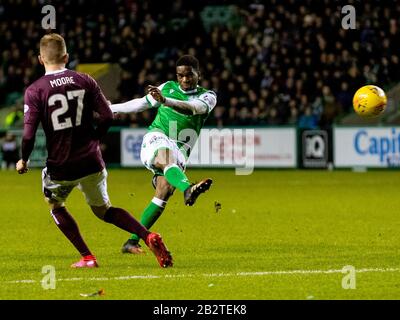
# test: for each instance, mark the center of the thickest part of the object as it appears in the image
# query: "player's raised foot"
(132, 246)
(86, 262)
(157, 246)
(190, 195)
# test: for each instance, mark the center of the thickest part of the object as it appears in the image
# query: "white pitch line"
(214, 275)
(264, 273)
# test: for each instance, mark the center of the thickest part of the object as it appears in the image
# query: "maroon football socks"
(66, 223)
(122, 219)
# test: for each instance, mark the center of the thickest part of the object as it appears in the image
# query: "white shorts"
(93, 186)
(154, 141)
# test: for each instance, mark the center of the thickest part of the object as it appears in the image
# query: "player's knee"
(163, 158)
(100, 211)
(53, 204)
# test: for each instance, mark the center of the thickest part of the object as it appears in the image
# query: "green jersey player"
(183, 106)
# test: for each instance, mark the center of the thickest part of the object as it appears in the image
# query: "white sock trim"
(170, 166)
(159, 202)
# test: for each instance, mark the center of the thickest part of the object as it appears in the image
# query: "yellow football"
(369, 101)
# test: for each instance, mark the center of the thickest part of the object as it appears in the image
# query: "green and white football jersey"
(180, 127)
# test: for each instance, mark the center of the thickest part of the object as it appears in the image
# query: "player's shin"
(123, 220)
(151, 214)
(68, 226)
(176, 177)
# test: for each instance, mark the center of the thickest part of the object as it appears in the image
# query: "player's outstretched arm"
(134, 105)
(138, 104)
(203, 104)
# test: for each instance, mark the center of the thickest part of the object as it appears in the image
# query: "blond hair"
(53, 48)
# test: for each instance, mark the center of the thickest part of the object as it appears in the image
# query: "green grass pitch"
(278, 235)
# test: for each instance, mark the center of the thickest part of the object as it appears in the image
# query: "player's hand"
(22, 166)
(156, 93)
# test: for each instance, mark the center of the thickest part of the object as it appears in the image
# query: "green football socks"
(150, 215)
(176, 177)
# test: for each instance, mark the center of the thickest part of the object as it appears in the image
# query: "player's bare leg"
(123, 220)
(151, 213)
(165, 161)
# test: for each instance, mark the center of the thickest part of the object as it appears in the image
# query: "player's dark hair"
(188, 60)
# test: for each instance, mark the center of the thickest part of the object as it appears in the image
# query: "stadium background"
(274, 63)
(278, 66)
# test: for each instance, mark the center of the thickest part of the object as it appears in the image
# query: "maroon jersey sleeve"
(104, 115)
(31, 122)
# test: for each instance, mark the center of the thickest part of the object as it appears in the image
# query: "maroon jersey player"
(64, 102)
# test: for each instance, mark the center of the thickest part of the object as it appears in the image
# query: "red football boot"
(86, 262)
(155, 243)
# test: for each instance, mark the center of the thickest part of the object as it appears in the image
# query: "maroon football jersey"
(65, 103)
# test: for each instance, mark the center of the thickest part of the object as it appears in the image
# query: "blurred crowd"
(274, 62)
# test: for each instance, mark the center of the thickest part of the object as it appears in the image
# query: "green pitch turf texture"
(278, 235)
